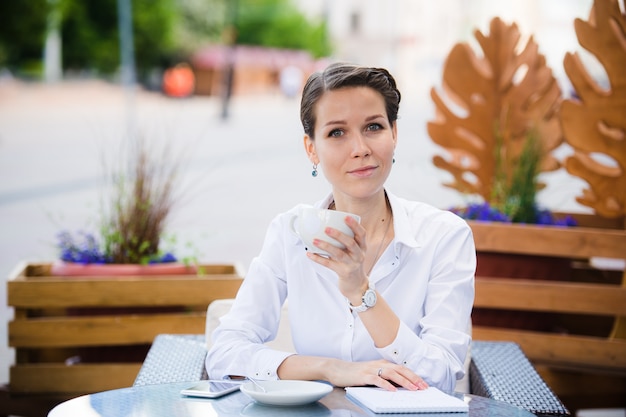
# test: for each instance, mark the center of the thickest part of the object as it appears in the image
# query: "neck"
(371, 210)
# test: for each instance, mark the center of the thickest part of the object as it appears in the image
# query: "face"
(354, 141)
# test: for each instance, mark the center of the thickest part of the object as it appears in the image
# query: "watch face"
(369, 298)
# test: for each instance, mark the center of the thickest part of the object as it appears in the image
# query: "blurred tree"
(199, 22)
(89, 34)
(22, 35)
(278, 23)
(272, 23)
(91, 38)
(165, 31)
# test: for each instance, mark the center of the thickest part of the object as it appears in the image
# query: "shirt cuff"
(405, 346)
(265, 367)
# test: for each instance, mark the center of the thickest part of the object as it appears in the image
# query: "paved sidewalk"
(237, 174)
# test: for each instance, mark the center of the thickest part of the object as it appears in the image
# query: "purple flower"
(484, 212)
(85, 248)
(165, 258)
(168, 257)
(481, 211)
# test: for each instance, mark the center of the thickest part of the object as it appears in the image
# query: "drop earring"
(393, 159)
(314, 172)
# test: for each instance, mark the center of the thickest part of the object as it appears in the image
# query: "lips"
(363, 171)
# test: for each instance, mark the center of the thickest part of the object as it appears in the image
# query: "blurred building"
(257, 69)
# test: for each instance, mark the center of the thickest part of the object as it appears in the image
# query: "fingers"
(358, 230)
(355, 246)
(333, 251)
(380, 373)
(390, 376)
(352, 251)
(347, 262)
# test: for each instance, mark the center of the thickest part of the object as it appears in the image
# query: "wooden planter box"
(570, 358)
(76, 335)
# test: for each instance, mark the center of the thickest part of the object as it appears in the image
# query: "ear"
(394, 133)
(309, 147)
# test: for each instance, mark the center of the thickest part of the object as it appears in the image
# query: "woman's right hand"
(347, 263)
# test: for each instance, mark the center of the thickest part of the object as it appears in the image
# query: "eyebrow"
(374, 117)
(343, 122)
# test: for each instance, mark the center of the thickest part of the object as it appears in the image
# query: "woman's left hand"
(380, 373)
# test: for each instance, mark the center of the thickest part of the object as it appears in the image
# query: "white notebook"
(430, 400)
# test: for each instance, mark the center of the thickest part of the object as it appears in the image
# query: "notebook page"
(429, 400)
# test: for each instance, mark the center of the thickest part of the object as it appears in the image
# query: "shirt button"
(395, 353)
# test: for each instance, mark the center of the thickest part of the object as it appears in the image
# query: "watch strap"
(364, 306)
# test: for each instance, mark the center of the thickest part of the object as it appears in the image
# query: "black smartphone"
(212, 388)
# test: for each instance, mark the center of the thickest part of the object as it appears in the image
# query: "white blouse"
(426, 275)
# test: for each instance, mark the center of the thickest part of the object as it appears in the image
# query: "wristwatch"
(368, 300)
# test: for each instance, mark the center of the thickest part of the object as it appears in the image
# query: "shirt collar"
(325, 203)
(402, 228)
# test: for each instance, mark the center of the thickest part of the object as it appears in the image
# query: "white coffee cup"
(310, 223)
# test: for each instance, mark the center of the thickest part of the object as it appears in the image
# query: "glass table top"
(165, 400)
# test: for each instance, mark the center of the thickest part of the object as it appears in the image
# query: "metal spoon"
(257, 384)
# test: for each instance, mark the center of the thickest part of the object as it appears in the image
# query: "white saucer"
(286, 392)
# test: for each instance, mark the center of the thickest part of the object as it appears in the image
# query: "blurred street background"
(74, 83)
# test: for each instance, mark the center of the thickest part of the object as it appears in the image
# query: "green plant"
(134, 215)
(140, 208)
(515, 195)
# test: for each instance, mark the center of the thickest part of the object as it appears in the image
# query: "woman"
(392, 308)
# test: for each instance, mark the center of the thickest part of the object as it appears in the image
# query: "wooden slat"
(78, 379)
(568, 382)
(563, 350)
(566, 297)
(57, 313)
(594, 220)
(101, 330)
(549, 241)
(43, 269)
(25, 404)
(122, 291)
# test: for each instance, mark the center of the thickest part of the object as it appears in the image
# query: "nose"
(360, 148)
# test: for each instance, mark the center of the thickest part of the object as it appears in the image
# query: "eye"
(335, 133)
(374, 127)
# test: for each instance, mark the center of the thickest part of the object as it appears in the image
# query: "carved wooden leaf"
(595, 124)
(505, 92)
